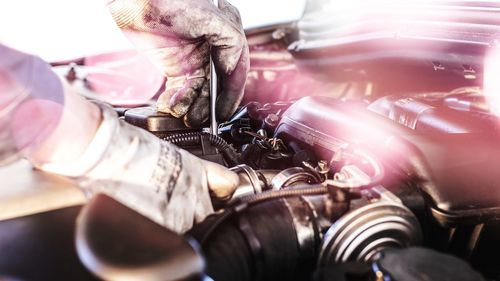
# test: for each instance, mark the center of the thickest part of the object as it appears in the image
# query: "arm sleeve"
(153, 177)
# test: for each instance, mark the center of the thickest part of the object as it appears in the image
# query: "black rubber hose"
(194, 138)
(256, 246)
(251, 200)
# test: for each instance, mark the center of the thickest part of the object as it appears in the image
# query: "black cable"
(195, 138)
(290, 192)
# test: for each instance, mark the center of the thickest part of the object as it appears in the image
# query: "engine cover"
(453, 156)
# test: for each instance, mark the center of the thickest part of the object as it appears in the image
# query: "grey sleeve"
(155, 178)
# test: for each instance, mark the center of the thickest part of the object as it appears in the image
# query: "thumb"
(221, 181)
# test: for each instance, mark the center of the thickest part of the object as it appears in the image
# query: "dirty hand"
(177, 35)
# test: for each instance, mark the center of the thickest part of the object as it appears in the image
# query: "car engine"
(355, 165)
(327, 182)
(373, 175)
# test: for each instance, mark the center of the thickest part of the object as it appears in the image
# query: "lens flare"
(492, 80)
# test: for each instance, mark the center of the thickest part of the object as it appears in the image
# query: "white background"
(64, 29)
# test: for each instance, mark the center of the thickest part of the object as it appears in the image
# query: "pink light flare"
(491, 83)
(123, 78)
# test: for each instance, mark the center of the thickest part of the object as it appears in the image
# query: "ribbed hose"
(256, 240)
(260, 244)
(270, 195)
(184, 139)
(251, 200)
(194, 138)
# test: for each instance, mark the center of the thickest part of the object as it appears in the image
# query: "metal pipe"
(214, 127)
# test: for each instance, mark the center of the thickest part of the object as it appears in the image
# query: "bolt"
(323, 167)
(272, 120)
(71, 75)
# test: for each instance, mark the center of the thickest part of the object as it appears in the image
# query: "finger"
(181, 101)
(199, 112)
(221, 181)
(179, 95)
(163, 101)
(225, 37)
(231, 58)
(176, 101)
(126, 12)
(232, 87)
(230, 11)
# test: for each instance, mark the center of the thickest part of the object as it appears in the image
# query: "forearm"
(153, 177)
(60, 132)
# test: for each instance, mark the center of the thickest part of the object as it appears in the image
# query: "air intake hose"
(271, 239)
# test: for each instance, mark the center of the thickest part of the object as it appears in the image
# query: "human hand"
(178, 36)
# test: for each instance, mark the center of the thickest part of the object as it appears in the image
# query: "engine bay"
(352, 165)
(326, 182)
